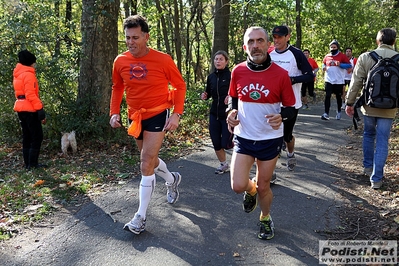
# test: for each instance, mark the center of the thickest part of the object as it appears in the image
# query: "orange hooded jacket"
(26, 89)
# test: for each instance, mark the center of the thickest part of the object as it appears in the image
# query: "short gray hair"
(250, 29)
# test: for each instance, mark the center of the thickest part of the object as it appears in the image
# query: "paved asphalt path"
(207, 226)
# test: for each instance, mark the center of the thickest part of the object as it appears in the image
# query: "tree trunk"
(130, 7)
(220, 28)
(164, 28)
(99, 49)
(58, 41)
(298, 24)
(177, 34)
(68, 21)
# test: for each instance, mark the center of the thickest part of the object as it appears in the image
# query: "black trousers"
(32, 132)
(32, 137)
(330, 89)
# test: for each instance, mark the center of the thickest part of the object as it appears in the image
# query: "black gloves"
(41, 114)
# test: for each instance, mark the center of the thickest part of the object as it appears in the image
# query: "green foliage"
(196, 112)
(353, 23)
(34, 25)
(266, 14)
(130, 159)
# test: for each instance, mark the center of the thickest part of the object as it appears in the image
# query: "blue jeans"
(375, 145)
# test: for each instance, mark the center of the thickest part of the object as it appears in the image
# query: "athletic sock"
(223, 163)
(264, 218)
(162, 171)
(147, 185)
(290, 154)
(253, 191)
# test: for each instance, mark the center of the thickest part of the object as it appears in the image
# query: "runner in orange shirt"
(144, 74)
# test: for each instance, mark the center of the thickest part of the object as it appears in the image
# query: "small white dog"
(68, 140)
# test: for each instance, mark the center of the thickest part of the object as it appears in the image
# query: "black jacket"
(217, 87)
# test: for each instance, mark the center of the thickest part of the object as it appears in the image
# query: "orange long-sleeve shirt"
(26, 84)
(146, 83)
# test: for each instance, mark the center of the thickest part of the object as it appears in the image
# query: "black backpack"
(381, 89)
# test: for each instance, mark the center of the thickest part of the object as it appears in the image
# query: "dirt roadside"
(368, 213)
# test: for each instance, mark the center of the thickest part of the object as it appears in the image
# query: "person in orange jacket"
(29, 108)
(143, 75)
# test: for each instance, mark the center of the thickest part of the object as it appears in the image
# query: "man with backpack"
(378, 110)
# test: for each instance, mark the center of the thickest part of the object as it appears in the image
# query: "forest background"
(76, 41)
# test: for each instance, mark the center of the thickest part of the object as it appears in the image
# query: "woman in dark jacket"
(217, 88)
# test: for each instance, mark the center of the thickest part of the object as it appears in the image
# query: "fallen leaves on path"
(367, 213)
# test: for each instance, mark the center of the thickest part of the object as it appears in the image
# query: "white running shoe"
(136, 225)
(172, 193)
(291, 162)
(222, 169)
(325, 117)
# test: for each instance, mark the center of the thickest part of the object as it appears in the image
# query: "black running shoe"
(266, 229)
(250, 202)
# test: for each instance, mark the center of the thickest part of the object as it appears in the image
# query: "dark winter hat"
(26, 58)
(280, 30)
(334, 42)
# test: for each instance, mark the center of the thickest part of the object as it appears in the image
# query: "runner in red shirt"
(258, 90)
(309, 86)
(335, 65)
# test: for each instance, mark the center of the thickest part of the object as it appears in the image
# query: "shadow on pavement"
(207, 226)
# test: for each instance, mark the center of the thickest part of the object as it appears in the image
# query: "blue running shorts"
(263, 150)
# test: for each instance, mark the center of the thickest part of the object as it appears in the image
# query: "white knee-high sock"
(162, 171)
(147, 186)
